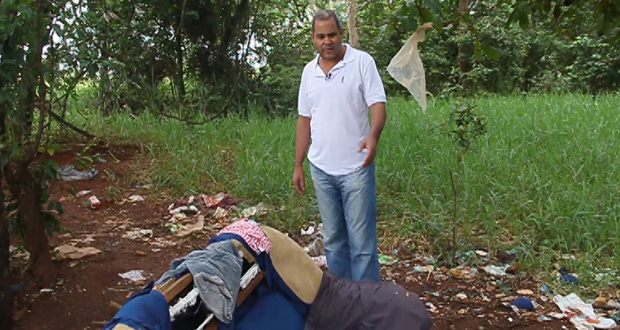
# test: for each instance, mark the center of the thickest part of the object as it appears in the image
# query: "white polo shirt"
(337, 105)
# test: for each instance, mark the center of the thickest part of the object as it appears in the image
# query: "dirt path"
(88, 287)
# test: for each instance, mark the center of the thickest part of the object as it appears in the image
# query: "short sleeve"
(302, 100)
(371, 80)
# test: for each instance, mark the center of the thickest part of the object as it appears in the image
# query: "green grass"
(545, 180)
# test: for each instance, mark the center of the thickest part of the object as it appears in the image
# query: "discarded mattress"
(280, 287)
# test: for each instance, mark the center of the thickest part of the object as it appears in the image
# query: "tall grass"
(545, 180)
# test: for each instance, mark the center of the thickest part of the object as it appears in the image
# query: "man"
(337, 89)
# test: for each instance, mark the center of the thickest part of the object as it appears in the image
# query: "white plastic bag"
(407, 69)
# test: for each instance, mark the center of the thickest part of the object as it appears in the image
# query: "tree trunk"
(25, 189)
(462, 57)
(104, 83)
(6, 298)
(179, 49)
(354, 37)
(180, 73)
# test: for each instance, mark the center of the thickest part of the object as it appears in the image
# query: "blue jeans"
(348, 207)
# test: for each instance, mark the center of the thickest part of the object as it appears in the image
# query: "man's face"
(327, 38)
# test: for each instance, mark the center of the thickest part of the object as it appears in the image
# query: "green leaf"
(55, 205)
(524, 21)
(477, 53)
(525, 7)
(514, 16)
(58, 30)
(4, 159)
(434, 5)
(491, 52)
(92, 69)
(427, 15)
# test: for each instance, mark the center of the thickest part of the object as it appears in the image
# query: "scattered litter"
(463, 272)
(523, 303)
(568, 277)
(320, 261)
(259, 209)
(481, 253)
(191, 228)
(602, 303)
(308, 231)
(505, 256)
(220, 213)
(155, 250)
(72, 252)
(428, 290)
(94, 202)
(511, 307)
(69, 173)
(46, 290)
(316, 248)
(137, 233)
(557, 316)
(544, 318)
(136, 198)
(133, 275)
(83, 193)
(179, 217)
(525, 292)
(162, 242)
(387, 260)
(461, 296)
(86, 240)
(513, 269)
(184, 209)
(423, 269)
(222, 200)
(605, 274)
(496, 270)
(431, 308)
(581, 314)
(568, 257)
(18, 252)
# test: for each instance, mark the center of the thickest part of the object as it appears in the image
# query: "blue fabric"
(145, 310)
(266, 309)
(273, 279)
(348, 208)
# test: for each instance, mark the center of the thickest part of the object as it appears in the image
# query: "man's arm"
(302, 140)
(377, 121)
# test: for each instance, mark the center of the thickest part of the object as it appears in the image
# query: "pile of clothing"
(294, 294)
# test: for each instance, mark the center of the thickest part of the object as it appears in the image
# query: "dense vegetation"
(235, 64)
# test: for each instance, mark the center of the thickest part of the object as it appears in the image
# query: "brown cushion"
(121, 326)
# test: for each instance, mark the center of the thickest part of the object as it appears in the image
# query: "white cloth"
(337, 105)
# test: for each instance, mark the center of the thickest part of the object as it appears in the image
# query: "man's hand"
(370, 144)
(299, 182)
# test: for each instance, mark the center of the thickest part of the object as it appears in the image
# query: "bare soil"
(89, 288)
